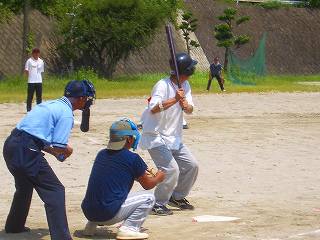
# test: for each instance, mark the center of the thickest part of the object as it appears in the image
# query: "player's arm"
(164, 105)
(149, 181)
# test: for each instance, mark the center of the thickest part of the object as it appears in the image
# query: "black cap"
(76, 88)
(186, 65)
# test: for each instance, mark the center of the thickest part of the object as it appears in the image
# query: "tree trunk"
(226, 54)
(25, 33)
(188, 47)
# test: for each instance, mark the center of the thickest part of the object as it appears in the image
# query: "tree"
(188, 25)
(224, 32)
(105, 31)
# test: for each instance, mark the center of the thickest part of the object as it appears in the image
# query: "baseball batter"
(162, 123)
(45, 128)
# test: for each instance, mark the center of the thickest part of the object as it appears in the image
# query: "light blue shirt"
(50, 121)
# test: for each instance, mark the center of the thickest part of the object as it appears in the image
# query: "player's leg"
(188, 166)
(164, 160)
(30, 92)
(39, 92)
(20, 205)
(220, 82)
(133, 213)
(14, 154)
(52, 193)
(209, 84)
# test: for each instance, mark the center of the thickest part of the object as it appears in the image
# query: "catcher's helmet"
(186, 65)
(82, 88)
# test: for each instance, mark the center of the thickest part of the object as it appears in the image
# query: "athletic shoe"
(223, 90)
(90, 229)
(183, 204)
(161, 210)
(25, 229)
(126, 233)
(185, 126)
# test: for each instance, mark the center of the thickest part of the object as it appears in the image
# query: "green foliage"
(13, 89)
(5, 13)
(242, 20)
(274, 4)
(313, 3)
(15, 6)
(240, 40)
(30, 42)
(99, 33)
(189, 25)
(224, 32)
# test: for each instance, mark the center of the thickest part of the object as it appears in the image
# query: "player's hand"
(184, 104)
(160, 175)
(68, 151)
(179, 94)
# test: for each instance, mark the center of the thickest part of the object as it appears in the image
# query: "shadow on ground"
(34, 234)
(101, 233)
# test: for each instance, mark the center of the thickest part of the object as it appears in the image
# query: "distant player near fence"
(216, 72)
(34, 68)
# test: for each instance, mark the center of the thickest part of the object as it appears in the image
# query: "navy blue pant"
(25, 161)
(34, 87)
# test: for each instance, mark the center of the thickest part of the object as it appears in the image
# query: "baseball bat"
(173, 52)
(84, 127)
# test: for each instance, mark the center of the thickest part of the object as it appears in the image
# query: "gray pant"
(133, 211)
(181, 170)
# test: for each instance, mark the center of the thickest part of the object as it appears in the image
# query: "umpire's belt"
(16, 132)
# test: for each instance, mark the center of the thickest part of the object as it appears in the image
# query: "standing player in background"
(34, 68)
(46, 128)
(162, 136)
(216, 72)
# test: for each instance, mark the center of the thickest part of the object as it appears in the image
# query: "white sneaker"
(126, 233)
(90, 229)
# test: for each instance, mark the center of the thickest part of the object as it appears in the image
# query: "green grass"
(13, 89)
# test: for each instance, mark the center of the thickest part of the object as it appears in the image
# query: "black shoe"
(183, 204)
(185, 126)
(161, 210)
(24, 229)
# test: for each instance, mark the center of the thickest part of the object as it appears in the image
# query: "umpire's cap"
(186, 65)
(83, 88)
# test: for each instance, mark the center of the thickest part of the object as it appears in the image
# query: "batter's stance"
(162, 137)
(45, 128)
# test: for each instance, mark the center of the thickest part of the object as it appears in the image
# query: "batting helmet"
(82, 88)
(186, 65)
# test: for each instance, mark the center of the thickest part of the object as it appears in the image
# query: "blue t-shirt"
(111, 179)
(215, 69)
(50, 121)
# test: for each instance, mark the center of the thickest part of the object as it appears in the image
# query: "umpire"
(45, 128)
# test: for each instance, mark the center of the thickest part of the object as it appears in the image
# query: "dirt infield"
(259, 160)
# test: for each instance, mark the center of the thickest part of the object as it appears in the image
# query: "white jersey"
(34, 68)
(164, 128)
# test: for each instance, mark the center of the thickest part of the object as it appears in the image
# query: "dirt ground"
(259, 160)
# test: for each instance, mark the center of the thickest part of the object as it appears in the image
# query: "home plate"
(211, 218)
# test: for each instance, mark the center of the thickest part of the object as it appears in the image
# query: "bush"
(272, 5)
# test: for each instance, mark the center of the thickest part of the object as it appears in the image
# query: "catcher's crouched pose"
(107, 200)
(45, 128)
(162, 137)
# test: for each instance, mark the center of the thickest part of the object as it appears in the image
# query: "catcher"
(107, 200)
(45, 128)
(162, 137)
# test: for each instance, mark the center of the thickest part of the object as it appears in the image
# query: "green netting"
(248, 71)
